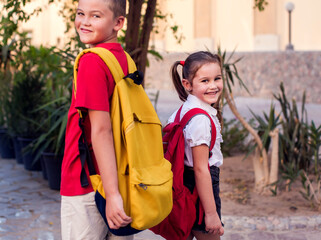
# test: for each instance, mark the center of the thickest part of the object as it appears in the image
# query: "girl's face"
(95, 22)
(207, 84)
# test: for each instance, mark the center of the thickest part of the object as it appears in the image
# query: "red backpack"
(178, 224)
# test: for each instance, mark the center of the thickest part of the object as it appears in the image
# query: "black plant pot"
(52, 164)
(6, 144)
(17, 150)
(43, 168)
(29, 156)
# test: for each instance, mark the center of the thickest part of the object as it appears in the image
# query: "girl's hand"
(115, 214)
(205, 191)
(213, 224)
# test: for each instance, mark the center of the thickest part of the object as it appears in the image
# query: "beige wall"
(207, 23)
(265, 21)
(202, 26)
(47, 28)
(235, 24)
(183, 16)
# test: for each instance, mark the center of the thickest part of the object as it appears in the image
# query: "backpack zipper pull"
(143, 186)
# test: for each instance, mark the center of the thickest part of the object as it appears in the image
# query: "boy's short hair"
(118, 7)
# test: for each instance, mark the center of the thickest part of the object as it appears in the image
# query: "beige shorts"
(80, 219)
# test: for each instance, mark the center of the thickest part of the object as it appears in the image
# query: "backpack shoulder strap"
(111, 62)
(193, 112)
(117, 72)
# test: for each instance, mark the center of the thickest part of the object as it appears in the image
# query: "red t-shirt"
(95, 86)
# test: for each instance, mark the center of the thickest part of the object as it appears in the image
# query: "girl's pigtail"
(178, 82)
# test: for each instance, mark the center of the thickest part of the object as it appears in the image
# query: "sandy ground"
(239, 198)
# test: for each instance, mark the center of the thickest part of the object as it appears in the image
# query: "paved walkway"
(30, 210)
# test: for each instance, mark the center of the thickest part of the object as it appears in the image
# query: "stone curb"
(272, 223)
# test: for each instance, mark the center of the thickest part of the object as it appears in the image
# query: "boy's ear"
(119, 23)
(187, 85)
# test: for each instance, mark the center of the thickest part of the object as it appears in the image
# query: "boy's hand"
(115, 214)
(213, 224)
(103, 146)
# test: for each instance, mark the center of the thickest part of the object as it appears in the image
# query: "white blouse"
(198, 131)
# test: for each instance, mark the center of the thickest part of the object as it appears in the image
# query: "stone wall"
(261, 72)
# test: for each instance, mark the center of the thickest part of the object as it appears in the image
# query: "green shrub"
(27, 94)
(295, 149)
(234, 135)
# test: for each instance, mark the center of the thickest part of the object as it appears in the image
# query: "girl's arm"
(103, 146)
(205, 191)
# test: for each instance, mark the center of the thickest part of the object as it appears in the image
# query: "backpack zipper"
(143, 186)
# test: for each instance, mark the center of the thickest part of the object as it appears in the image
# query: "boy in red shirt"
(97, 23)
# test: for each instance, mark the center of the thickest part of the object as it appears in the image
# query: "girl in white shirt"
(201, 86)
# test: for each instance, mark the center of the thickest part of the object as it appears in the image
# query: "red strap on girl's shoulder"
(192, 113)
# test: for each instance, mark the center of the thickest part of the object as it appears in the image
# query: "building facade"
(205, 24)
(235, 24)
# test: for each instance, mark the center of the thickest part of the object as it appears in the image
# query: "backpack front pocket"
(151, 194)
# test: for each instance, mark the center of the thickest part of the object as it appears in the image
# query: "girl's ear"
(187, 85)
(119, 23)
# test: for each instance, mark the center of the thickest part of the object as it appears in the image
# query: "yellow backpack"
(144, 175)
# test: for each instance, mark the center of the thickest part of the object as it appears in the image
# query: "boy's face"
(95, 22)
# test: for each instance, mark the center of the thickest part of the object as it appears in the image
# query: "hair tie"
(182, 63)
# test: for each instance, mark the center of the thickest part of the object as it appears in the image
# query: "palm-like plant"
(267, 124)
(294, 140)
(269, 133)
(315, 144)
(230, 75)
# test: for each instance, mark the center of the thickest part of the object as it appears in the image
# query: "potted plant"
(6, 144)
(27, 95)
(53, 149)
(51, 142)
(39, 72)
(6, 141)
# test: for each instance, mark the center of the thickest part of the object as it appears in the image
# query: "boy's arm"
(103, 146)
(204, 188)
